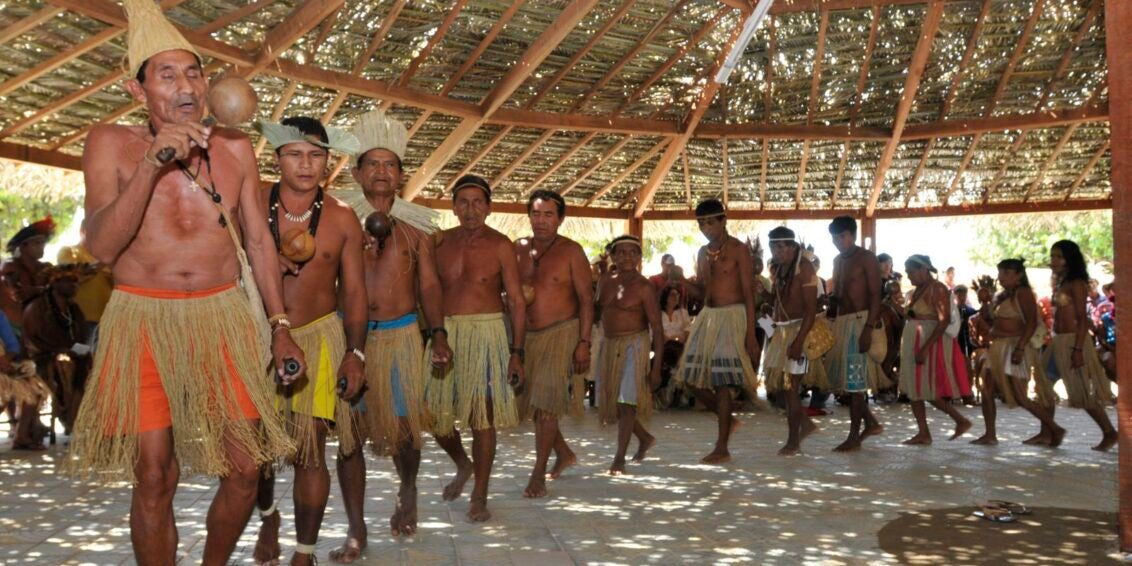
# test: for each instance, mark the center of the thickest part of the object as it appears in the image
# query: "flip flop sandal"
(1009, 506)
(994, 514)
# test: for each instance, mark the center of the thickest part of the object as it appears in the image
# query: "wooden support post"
(868, 233)
(635, 227)
(1118, 16)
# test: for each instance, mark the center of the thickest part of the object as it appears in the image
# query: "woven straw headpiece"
(150, 33)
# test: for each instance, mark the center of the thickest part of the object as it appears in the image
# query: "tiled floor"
(888, 503)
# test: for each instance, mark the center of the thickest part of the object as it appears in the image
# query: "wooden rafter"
(949, 98)
(504, 88)
(597, 163)
(515, 163)
(559, 163)
(471, 60)
(726, 173)
(687, 179)
(1062, 66)
(779, 214)
(696, 113)
(28, 23)
(762, 174)
(648, 156)
(815, 83)
(434, 40)
(1003, 80)
(1050, 161)
(862, 80)
(1088, 169)
(1025, 122)
(792, 6)
(672, 60)
(374, 44)
(60, 59)
(908, 95)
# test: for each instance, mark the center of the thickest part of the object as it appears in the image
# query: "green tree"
(17, 211)
(1029, 236)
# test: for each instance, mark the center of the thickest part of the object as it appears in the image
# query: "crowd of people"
(206, 325)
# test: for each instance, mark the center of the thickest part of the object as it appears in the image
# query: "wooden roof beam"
(643, 159)
(696, 113)
(815, 83)
(762, 174)
(779, 214)
(518, 161)
(374, 44)
(1088, 169)
(596, 165)
(726, 173)
(570, 153)
(966, 162)
(1004, 79)
(1057, 149)
(471, 59)
(60, 59)
(793, 6)
(433, 41)
(913, 188)
(527, 64)
(687, 179)
(29, 23)
(471, 164)
(862, 80)
(911, 85)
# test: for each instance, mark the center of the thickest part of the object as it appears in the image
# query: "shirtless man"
(629, 311)
(723, 351)
(855, 310)
(795, 306)
(179, 335)
(400, 276)
(24, 271)
(476, 265)
(310, 294)
(53, 324)
(559, 321)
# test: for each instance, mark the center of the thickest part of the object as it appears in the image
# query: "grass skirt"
(549, 367)
(1001, 371)
(477, 376)
(1087, 386)
(192, 342)
(716, 354)
(619, 354)
(399, 348)
(314, 397)
(23, 386)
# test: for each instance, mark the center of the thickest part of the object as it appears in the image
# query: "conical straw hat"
(150, 33)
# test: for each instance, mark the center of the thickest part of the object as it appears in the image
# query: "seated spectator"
(20, 385)
(676, 322)
(55, 333)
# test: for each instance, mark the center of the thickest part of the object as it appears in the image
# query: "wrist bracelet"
(276, 318)
(358, 354)
(518, 352)
(439, 329)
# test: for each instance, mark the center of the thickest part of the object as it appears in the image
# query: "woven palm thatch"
(595, 111)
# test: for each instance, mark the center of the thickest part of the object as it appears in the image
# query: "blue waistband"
(394, 324)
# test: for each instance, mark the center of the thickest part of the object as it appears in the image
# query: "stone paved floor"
(818, 507)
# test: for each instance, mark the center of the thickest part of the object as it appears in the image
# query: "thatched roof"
(841, 104)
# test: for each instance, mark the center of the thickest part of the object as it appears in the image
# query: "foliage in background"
(17, 211)
(1029, 236)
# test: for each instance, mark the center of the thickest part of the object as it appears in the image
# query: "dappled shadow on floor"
(952, 535)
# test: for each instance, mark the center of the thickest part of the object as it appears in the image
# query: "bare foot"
(406, 513)
(618, 467)
(808, 428)
(643, 447)
(478, 512)
(536, 487)
(872, 430)
(788, 450)
(267, 549)
(986, 440)
(1107, 442)
(349, 552)
(1056, 437)
(561, 463)
(717, 456)
(850, 445)
(1041, 438)
(960, 428)
(922, 439)
(453, 490)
